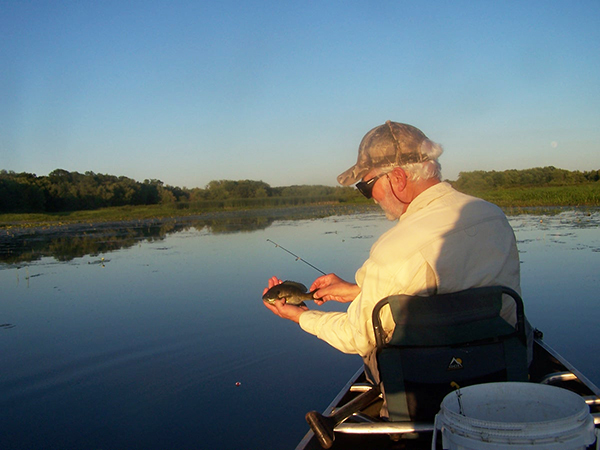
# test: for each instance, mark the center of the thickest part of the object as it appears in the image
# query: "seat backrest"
(443, 342)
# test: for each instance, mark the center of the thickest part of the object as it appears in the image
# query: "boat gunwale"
(580, 376)
(582, 380)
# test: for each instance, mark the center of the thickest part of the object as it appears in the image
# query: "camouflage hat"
(391, 144)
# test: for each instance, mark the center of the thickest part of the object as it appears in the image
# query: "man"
(444, 241)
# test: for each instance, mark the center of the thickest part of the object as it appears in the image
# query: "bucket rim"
(561, 426)
(576, 415)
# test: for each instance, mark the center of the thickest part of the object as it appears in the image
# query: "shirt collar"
(426, 197)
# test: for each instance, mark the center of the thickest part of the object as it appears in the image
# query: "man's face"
(384, 196)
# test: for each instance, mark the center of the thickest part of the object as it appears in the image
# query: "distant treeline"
(72, 191)
(480, 180)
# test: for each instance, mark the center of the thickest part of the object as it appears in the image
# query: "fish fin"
(294, 302)
(296, 285)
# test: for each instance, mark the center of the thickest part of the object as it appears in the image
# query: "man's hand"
(332, 287)
(280, 307)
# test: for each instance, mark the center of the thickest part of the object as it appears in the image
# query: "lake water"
(155, 337)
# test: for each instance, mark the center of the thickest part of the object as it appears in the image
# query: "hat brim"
(352, 175)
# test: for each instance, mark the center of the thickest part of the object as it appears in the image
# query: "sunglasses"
(366, 187)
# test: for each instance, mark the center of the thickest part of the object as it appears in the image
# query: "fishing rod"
(296, 256)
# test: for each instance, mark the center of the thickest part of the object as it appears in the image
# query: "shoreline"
(24, 228)
(25, 243)
(19, 229)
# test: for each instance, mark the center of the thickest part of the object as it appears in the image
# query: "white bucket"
(510, 416)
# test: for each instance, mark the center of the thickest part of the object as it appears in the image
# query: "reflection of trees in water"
(238, 225)
(64, 246)
(76, 243)
(78, 240)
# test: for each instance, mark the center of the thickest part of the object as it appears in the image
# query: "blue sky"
(279, 91)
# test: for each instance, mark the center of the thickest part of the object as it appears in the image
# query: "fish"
(293, 292)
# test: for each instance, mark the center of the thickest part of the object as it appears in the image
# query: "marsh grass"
(165, 211)
(576, 195)
(118, 213)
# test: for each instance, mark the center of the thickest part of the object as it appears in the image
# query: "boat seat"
(444, 342)
(439, 343)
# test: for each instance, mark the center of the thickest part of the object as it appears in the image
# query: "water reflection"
(75, 241)
(94, 240)
(169, 346)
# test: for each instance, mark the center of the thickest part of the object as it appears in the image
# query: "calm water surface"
(160, 340)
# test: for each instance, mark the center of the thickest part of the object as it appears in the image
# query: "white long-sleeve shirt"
(445, 242)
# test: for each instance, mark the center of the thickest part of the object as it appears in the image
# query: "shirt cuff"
(309, 320)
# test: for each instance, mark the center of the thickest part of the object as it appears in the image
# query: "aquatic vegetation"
(575, 195)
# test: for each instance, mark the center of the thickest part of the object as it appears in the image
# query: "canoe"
(357, 432)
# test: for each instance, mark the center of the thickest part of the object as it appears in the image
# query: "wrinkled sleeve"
(352, 331)
(349, 332)
(335, 329)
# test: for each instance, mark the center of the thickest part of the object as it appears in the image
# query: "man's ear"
(398, 178)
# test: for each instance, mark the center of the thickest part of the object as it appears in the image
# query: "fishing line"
(296, 256)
